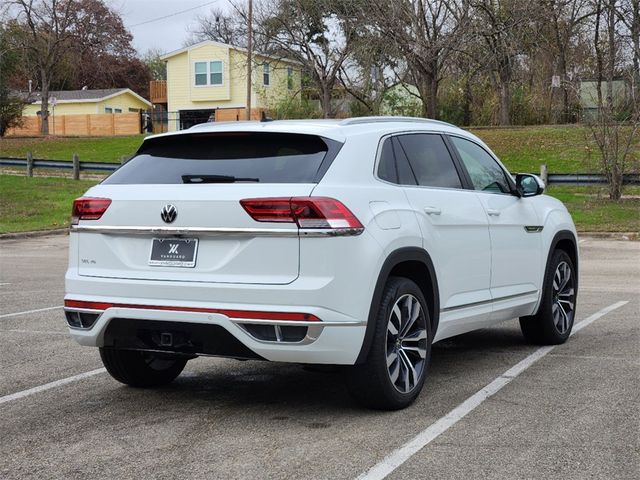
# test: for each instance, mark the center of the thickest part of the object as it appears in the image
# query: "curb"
(611, 235)
(34, 234)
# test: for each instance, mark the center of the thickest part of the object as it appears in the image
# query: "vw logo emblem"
(168, 213)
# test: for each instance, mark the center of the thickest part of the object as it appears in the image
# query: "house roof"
(227, 45)
(81, 96)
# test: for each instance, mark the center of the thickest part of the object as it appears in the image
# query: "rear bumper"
(335, 284)
(333, 339)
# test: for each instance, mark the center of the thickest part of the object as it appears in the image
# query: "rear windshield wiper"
(216, 179)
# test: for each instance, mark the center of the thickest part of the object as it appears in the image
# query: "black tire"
(141, 369)
(370, 383)
(549, 326)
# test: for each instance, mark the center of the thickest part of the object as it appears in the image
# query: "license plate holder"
(173, 252)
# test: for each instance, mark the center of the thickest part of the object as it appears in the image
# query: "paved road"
(574, 413)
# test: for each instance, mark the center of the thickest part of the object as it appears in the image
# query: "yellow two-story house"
(208, 81)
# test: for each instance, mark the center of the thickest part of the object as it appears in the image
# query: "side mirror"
(528, 185)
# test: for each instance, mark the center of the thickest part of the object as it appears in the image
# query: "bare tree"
(564, 18)
(628, 13)
(502, 24)
(425, 33)
(319, 34)
(370, 71)
(609, 128)
(222, 26)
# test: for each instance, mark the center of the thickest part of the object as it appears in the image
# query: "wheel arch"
(563, 240)
(415, 264)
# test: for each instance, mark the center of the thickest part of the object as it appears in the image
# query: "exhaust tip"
(84, 320)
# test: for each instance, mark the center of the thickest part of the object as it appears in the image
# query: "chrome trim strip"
(312, 335)
(485, 302)
(533, 228)
(216, 231)
(83, 310)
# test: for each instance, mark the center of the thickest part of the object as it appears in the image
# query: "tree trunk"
(611, 38)
(566, 113)
(635, 36)
(615, 175)
(428, 90)
(468, 98)
(433, 98)
(325, 101)
(504, 94)
(44, 104)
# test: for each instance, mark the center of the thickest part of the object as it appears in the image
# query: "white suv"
(357, 242)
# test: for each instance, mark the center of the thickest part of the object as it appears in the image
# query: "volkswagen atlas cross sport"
(356, 243)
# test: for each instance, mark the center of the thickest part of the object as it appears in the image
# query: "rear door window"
(228, 158)
(430, 160)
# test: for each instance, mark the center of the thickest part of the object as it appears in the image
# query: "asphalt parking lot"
(568, 412)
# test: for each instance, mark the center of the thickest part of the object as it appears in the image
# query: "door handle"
(493, 213)
(432, 211)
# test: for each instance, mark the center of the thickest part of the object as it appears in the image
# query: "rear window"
(228, 158)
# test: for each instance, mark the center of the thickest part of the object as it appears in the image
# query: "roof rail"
(387, 119)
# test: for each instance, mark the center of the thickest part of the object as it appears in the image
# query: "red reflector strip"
(244, 314)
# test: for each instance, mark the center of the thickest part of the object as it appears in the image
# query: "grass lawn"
(37, 203)
(592, 210)
(565, 149)
(89, 149)
(41, 203)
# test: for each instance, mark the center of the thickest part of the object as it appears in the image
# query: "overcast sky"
(165, 33)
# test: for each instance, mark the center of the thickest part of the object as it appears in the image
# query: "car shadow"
(242, 385)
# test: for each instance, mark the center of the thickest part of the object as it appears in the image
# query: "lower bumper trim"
(186, 338)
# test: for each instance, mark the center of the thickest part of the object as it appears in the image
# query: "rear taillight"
(307, 212)
(87, 208)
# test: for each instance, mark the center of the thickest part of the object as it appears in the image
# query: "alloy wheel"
(563, 307)
(406, 349)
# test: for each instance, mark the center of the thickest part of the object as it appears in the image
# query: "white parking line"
(433, 431)
(49, 386)
(28, 311)
(42, 332)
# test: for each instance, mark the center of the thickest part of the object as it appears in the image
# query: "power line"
(170, 15)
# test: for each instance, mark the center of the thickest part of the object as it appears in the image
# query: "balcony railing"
(158, 91)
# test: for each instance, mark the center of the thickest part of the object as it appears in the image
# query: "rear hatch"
(175, 211)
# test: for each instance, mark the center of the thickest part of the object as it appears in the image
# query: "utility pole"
(249, 59)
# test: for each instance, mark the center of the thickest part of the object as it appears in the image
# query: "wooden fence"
(234, 114)
(95, 124)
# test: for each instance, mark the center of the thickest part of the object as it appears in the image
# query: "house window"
(201, 73)
(117, 110)
(290, 78)
(215, 75)
(265, 74)
(108, 110)
(208, 73)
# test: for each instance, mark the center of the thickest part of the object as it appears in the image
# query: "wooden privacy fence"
(93, 124)
(235, 114)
